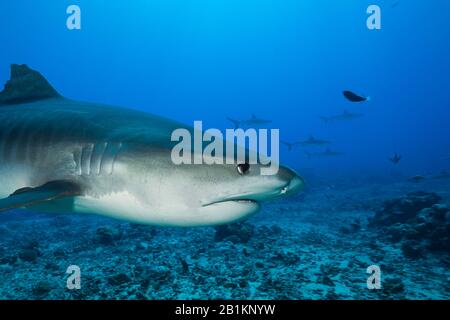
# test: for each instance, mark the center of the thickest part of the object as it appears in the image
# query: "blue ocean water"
(287, 61)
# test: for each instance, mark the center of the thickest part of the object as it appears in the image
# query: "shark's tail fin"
(325, 119)
(288, 145)
(235, 122)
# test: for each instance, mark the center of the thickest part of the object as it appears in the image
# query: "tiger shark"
(61, 155)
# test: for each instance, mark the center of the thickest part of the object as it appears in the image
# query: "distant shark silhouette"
(345, 116)
(326, 153)
(290, 145)
(254, 121)
(443, 175)
(417, 178)
(312, 141)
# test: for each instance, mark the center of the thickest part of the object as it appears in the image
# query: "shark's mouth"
(241, 201)
(254, 198)
(228, 210)
(249, 198)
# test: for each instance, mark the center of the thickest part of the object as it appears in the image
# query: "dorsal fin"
(26, 85)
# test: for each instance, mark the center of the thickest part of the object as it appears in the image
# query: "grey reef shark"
(310, 142)
(327, 153)
(254, 121)
(344, 116)
(61, 155)
(314, 142)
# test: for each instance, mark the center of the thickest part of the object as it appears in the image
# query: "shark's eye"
(243, 168)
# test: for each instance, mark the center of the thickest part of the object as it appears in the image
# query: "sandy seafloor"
(305, 247)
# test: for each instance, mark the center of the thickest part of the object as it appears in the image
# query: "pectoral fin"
(26, 197)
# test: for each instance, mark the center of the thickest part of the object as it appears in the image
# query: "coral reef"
(417, 222)
(401, 209)
(236, 232)
(299, 248)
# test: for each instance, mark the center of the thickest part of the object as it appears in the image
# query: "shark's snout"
(295, 183)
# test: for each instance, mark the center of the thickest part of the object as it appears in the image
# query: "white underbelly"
(119, 205)
(125, 206)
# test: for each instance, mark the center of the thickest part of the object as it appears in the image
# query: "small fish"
(417, 178)
(254, 121)
(395, 159)
(353, 97)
